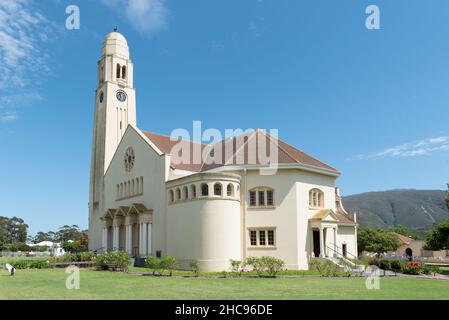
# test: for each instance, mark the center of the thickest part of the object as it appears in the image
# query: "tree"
(378, 241)
(438, 239)
(3, 229)
(17, 230)
(447, 197)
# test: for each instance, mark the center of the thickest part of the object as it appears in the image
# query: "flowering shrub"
(412, 267)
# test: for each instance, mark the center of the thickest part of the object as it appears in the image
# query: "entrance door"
(316, 243)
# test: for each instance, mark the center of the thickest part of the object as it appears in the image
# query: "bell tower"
(115, 109)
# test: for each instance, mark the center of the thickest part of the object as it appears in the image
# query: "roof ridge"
(168, 136)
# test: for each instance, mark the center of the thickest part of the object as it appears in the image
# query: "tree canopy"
(438, 239)
(378, 241)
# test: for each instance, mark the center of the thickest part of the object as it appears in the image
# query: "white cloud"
(146, 16)
(8, 117)
(23, 29)
(412, 149)
(21, 99)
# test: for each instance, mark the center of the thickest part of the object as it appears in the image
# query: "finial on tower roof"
(115, 29)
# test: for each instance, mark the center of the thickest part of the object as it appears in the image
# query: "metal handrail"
(347, 252)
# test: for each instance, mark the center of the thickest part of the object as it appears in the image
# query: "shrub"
(193, 264)
(264, 266)
(396, 266)
(120, 259)
(428, 269)
(236, 266)
(412, 267)
(16, 246)
(384, 264)
(30, 263)
(325, 267)
(154, 264)
(169, 263)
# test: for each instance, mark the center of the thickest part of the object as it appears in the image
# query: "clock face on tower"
(121, 96)
(129, 159)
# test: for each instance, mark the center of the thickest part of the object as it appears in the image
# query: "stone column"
(335, 242)
(140, 239)
(127, 238)
(115, 238)
(144, 238)
(104, 239)
(149, 239)
(322, 254)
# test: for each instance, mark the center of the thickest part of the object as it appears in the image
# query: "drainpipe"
(243, 199)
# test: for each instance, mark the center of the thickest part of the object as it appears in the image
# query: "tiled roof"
(403, 239)
(246, 153)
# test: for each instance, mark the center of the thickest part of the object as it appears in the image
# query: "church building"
(144, 201)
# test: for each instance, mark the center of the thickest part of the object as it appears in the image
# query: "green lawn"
(50, 284)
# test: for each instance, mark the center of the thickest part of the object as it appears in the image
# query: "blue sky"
(372, 103)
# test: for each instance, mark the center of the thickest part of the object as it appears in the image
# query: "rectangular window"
(261, 198)
(262, 239)
(271, 237)
(252, 198)
(253, 237)
(270, 201)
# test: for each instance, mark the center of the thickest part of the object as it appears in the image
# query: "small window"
(252, 198)
(217, 189)
(270, 237)
(178, 194)
(230, 190)
(204, 190)
(262, 198)
(172, 196)
(262, 239)
(270, 201)
(186, 192)
(316, 198)
(253, 237)
(193, 191)
(124, 72)
(118, 71)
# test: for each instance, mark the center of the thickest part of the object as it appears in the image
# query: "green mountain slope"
(417, 210)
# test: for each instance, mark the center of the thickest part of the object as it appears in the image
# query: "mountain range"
(417, 210)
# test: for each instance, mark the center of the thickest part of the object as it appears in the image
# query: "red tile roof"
(246, 153)
(403, 239)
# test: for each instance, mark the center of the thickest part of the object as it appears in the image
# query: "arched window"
(124, 72)
(204, 190)
(261, 197)
(178, 194)
(172, 196)
(118, 192)
(133, 192)
(118, 71)
(218, 189)
(316, 198)
(193, 191)
(137, 186)
(185, 192)
(230, 190)
(121, 190)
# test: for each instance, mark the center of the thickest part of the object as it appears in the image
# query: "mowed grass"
(50, 284)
